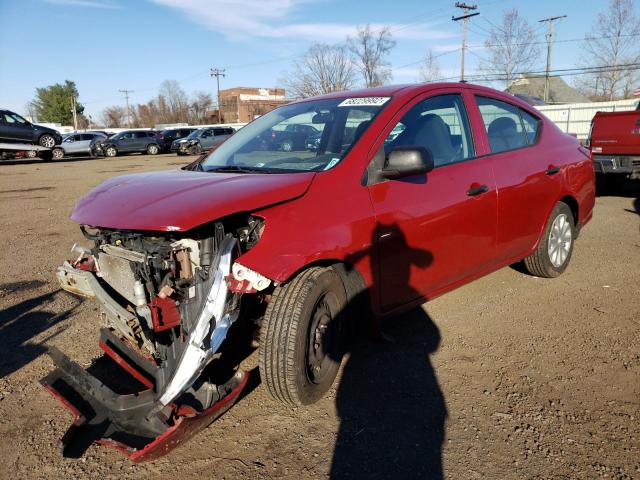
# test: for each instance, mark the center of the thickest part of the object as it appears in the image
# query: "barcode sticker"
(364, 102)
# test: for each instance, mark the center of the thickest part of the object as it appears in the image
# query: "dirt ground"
(509, 377)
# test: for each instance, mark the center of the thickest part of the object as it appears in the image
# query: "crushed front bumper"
(128, 421)
(124, 399)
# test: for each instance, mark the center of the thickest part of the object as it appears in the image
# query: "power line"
(422, 60)
(556, 72)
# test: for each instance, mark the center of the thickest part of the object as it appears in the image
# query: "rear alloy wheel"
(287, 146)
(31, 154)
(152, 149)
(554, 250)
(47, 141)
(302, 336)
(57, 153)
(110, 152)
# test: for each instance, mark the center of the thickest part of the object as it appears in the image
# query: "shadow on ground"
(21, 322)
(392, 411)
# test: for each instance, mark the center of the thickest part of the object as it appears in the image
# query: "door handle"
(552, 170)
(477, 190)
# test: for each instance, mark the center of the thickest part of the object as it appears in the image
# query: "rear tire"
(554, 250)
(302, 336)
(152, 149)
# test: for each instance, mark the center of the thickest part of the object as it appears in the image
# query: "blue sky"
(107, 45)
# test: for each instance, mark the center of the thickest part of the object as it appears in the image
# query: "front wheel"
(110, 152)
(57, 153)
(47, 141)
(301, 338)
(554, 250)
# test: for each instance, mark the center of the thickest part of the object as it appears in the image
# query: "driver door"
(437, 229)
(16, 128)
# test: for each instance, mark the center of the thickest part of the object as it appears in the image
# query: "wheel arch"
(573, 205)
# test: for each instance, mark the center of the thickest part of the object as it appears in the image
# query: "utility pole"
(75, 113)
(126, 93)
(465, 18)
(218, 72)
(549, 43)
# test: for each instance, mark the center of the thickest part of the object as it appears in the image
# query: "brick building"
(243, 104)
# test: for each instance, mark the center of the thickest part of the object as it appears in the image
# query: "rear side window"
(151, 134)
(508, 127)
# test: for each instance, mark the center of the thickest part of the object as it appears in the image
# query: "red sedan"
(408, 192)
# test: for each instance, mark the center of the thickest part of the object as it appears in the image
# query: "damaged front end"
(167, 303)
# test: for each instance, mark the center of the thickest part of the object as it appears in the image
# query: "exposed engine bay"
(167, 303)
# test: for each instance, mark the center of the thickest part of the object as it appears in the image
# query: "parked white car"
(76, 144)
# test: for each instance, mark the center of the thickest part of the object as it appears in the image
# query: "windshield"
(306, 136)
(195, 133)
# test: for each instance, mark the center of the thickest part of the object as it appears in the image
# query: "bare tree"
(614, 43)
(370, 50)
(114, 117)
(430, 71)
(323, 69)
(177, 104)
(201, 103)
(511, 47)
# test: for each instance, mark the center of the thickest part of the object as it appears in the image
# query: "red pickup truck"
(615, 147)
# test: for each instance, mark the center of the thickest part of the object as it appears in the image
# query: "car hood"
(179, 200)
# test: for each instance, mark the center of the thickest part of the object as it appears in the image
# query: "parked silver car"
(201, 140)
(76, 144)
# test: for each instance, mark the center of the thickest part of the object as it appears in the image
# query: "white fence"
(575, 118)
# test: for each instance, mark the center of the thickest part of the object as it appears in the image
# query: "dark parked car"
(201, 140)
(292, 248)
(295, 137)
(130, 141)
(16, 129)
(77, 144)
(167, 136)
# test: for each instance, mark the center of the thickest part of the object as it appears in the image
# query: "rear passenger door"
(528, 182)
(436, 229)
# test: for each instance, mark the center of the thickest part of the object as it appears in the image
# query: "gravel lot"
(509, 377)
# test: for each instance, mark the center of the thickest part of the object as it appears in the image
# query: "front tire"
(554, 250)
(47, 141)
(110, 152)
(301, 339)
(57, 153)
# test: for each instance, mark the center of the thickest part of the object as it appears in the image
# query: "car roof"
(412, 89)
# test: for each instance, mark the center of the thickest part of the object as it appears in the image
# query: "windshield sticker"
(364, 102)
(331, 163)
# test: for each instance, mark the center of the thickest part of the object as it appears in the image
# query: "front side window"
(307, 136)
(508, 127)
(439, 124)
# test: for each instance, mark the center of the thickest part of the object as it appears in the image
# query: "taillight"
(160, 136)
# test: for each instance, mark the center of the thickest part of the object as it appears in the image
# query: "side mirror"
(404, 161)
